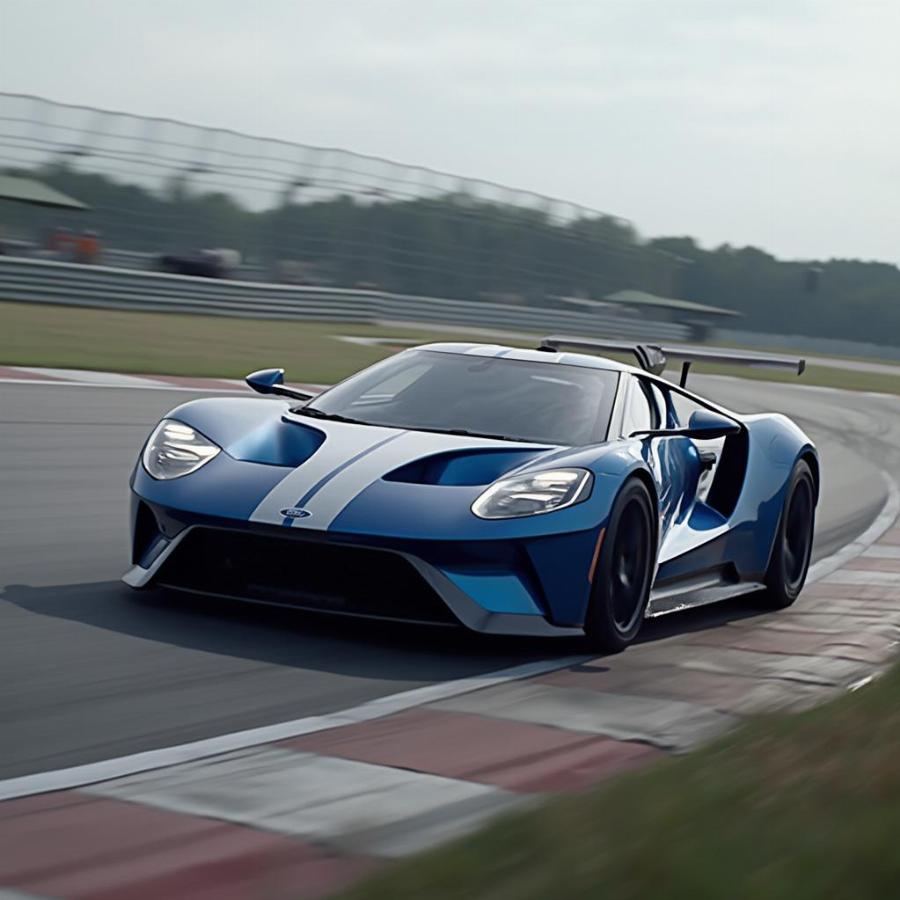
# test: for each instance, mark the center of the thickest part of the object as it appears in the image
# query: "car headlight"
(533, 494)
(176, 449)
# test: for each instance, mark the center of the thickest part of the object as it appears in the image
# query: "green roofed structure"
(36, 193)
(699, 317)
(643, 298)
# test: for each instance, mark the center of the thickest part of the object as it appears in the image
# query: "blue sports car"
(510, 491)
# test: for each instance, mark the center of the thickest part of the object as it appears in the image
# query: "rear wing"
(654, 359)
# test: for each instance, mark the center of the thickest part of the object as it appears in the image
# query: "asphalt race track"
(91, 670)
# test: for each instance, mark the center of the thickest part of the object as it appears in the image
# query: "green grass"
(785, 808)
(161, 343)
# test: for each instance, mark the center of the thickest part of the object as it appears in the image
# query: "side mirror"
(265, 380)
(704, 425)
(651, 358)
(271, 381)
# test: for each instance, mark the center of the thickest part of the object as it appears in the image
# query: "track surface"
(90, 670)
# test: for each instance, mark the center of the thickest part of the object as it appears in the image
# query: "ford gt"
(510, 491)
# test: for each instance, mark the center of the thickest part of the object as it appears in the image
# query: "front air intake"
(317, 575)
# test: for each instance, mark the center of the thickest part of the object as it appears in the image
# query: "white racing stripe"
(342, 443)
(337, 494)
(352, 458)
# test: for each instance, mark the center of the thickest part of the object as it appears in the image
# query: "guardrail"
(70, 284)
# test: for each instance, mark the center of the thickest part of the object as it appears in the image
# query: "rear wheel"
(624, 571)
(793, 541)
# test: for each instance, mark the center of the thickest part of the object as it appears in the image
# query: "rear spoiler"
(654, 359)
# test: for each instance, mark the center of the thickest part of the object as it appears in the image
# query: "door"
(674, 461)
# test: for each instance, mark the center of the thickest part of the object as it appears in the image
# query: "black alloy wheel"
(623, 575)
(792, 549)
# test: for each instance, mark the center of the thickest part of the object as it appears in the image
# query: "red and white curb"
(304, 808)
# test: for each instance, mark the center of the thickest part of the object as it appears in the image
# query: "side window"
(684, 408)
(710, 449)
(641, 412)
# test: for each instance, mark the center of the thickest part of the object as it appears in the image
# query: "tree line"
(458, 246)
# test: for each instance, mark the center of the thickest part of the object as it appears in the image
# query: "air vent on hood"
(278, 442)
(463, 467)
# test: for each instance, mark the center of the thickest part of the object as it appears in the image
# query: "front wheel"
(624, 571)
(791, 552)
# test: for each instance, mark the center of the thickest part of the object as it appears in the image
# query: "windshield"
(491, 396)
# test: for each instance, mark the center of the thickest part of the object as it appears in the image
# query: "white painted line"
(879, 395)
(12, 894)
(84, 376)
(813, 388)
(358, 806)
(119, 767)
(862, 578)
(861, 683)
(882, 551)
(883, 521)
(379, 341)
(42, 376)
(156, 386)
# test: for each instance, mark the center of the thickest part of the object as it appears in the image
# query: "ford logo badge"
(294, 512)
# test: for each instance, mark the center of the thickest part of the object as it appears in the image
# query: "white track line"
(78, 776)
(85, 376)
(156, 386)
(150, 384)
(889, 513)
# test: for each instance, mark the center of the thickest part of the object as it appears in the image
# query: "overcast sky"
(741, 121)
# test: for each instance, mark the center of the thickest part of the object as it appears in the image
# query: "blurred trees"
(459, 246)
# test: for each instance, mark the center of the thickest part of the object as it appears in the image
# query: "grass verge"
(785, 808)
(167, 344)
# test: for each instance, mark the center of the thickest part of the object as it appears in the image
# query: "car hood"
(298, 471)
(281, 469)
(341, 460)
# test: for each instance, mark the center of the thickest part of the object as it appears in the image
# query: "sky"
(775, 124)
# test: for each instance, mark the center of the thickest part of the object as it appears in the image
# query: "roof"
(28, 190)
(643, 298)
(583, 360)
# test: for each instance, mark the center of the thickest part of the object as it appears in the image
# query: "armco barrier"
(42, 281)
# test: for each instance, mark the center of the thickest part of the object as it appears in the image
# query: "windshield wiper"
(463, 432)
(314, 413)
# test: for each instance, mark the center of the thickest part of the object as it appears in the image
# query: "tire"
(792, 549)
(624, 572)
